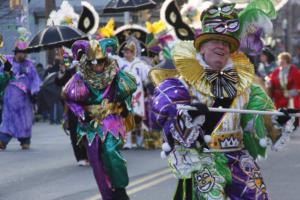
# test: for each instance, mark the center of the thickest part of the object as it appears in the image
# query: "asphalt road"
(48, 171)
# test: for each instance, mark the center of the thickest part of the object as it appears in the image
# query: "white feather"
(252, 26)
(65, 10)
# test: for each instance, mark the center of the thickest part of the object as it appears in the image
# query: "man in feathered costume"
(100, 96)
(19, 90)
(212, 153)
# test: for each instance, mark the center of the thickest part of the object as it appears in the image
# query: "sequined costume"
(213, 154)
(224, 164)
(101, 101)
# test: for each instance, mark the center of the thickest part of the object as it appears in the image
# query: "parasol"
(135, 31)
(53, 37)
(115, 6)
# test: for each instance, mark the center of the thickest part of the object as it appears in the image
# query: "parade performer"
(19, 94)
(132, 64)
(70, 120)
(100, 96)
(267, 63)
(211, 153)
(284, 83)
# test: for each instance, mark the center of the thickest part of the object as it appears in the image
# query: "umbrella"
(132, 32)
(53, 37)
(243, 3)
(115, 6)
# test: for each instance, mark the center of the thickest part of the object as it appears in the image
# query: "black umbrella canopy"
(115, 6)
(53, 37)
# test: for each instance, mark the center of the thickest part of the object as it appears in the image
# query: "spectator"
(284, 83)
(53, 68)
(267, 63)
(40, 70)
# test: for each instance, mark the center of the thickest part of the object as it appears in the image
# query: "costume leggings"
(108, 165)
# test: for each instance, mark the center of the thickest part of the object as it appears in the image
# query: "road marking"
(165, 175)
(150, 184)
(146, 178)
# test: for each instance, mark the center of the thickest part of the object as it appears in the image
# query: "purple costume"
(102, 103)
(17, 116)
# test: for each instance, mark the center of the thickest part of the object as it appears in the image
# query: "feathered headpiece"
(22, 40)
(65, 15)
(108, 30)
(242, 30)
(155, 27)
(255, 22)
(93, 50)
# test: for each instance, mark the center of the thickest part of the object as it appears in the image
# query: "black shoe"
(2, 145)
(25, 146)
(120, 194)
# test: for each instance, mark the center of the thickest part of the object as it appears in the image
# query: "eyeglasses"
(225, 9)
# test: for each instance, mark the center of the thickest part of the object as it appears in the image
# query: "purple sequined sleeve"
(166, 96)
(76, 91)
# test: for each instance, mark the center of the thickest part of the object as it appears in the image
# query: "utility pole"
(49, 6)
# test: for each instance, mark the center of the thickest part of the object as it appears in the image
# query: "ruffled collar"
(192, 70)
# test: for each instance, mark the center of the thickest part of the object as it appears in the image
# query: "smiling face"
(215, 53)
(204, 180)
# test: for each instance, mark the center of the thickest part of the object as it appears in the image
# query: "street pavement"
(48, 171)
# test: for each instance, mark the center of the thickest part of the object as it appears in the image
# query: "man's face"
(128, 54)
(215, 53)
(100, 66)
(20, 56)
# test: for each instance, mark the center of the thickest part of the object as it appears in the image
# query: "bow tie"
(223, 83)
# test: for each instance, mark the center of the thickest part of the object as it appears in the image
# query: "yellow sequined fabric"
(189, 68)
(100, 112)
(157, 75)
